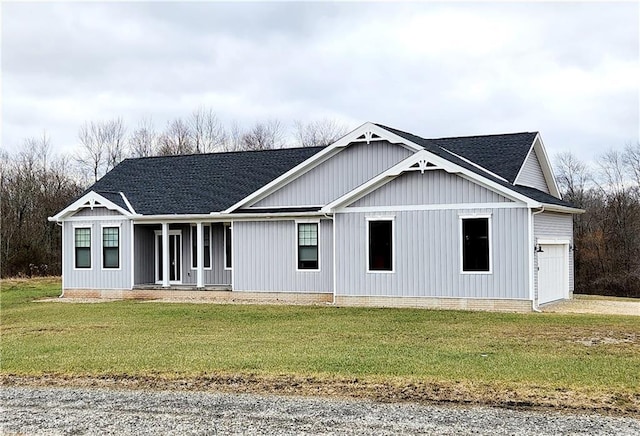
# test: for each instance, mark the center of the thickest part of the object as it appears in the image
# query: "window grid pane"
(307, 235)
(83, 237)
(110, 237)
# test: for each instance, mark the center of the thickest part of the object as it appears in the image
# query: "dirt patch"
(519, 397)
(595, 305)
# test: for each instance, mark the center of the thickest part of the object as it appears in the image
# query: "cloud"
(567, 69)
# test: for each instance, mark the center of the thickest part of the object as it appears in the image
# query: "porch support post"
(165, 255)
(200, 248)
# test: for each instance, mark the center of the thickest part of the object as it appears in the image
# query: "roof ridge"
(483, 136)
(218, 153)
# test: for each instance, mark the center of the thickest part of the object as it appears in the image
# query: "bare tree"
(176, 139)
(319, 133)
(34, 184)
(207, 132)
(631, 159)
(143, 141)
(102, 146)
(113, 132)
(91, 157)
(263, 136)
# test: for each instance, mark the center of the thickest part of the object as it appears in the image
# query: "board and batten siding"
(264, 258)
(96, 277)
(432, 187)
(532, 175)
(338, 175)
(554, 225)
(427, 256)
(144, 252)
(217, 274)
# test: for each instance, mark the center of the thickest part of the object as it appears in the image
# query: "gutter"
(223, 217)
(534, 305)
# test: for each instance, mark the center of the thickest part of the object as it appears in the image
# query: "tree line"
(607, 235)
(36, 183)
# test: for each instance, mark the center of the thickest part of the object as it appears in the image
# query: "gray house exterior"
(381, 217)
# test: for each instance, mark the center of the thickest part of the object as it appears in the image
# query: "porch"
(182, 256)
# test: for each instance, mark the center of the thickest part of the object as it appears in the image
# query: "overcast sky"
(568, 70)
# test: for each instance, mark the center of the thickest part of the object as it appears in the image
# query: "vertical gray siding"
(338, 175)
(216, 275)
(96, 277)
(532, 175)
(432, 187)
(427, 256)
(555, 225)
(144, 252)
(97, 211)
(264, 258)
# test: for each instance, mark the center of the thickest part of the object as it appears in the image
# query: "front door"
(175, 257)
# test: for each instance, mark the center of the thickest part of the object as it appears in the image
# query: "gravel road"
(59, 411)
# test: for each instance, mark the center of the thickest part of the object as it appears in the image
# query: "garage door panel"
(552, 273)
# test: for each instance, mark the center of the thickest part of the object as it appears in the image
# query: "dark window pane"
(380, 245)
(475, 244)
(207, 246)
(227, 246)
(83, 257)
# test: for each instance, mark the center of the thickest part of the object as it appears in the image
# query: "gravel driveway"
(595, 304)
(53, 411)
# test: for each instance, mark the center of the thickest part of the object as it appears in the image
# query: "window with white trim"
(380, 245)
(82, 246)
(227, 246)
(206, 232)
(475, 245)
(308, 246)
(110, 247)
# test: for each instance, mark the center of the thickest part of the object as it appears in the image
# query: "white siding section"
(531, 174)
(338, 175)
(554, 225)
(427, 251)
(264, 258)
(96, 277)
(432, 187)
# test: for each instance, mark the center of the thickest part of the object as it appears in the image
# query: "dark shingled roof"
(501, 154)
(204, 183)
(198, 183)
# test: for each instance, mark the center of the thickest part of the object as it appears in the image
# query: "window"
(206, 231)
(83, 247)
(475, 245)
(110, 247)
(227, 246)
(380, 245)
(308, 246)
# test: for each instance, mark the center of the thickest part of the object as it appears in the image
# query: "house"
(381, 217)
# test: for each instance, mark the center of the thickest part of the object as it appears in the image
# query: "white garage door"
(552, 273)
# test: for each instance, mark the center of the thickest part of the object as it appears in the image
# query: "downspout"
(62, 263)
(535, 301)
(333, 231)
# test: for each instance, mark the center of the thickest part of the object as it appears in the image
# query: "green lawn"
(507, 351)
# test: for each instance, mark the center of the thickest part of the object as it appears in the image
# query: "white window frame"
(297, 242)
(391, 218)
(193, 234)
(83, 226)
(461, 218)
(118, 226)
(224, 249)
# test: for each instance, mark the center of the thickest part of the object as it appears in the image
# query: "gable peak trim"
(91, 200)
